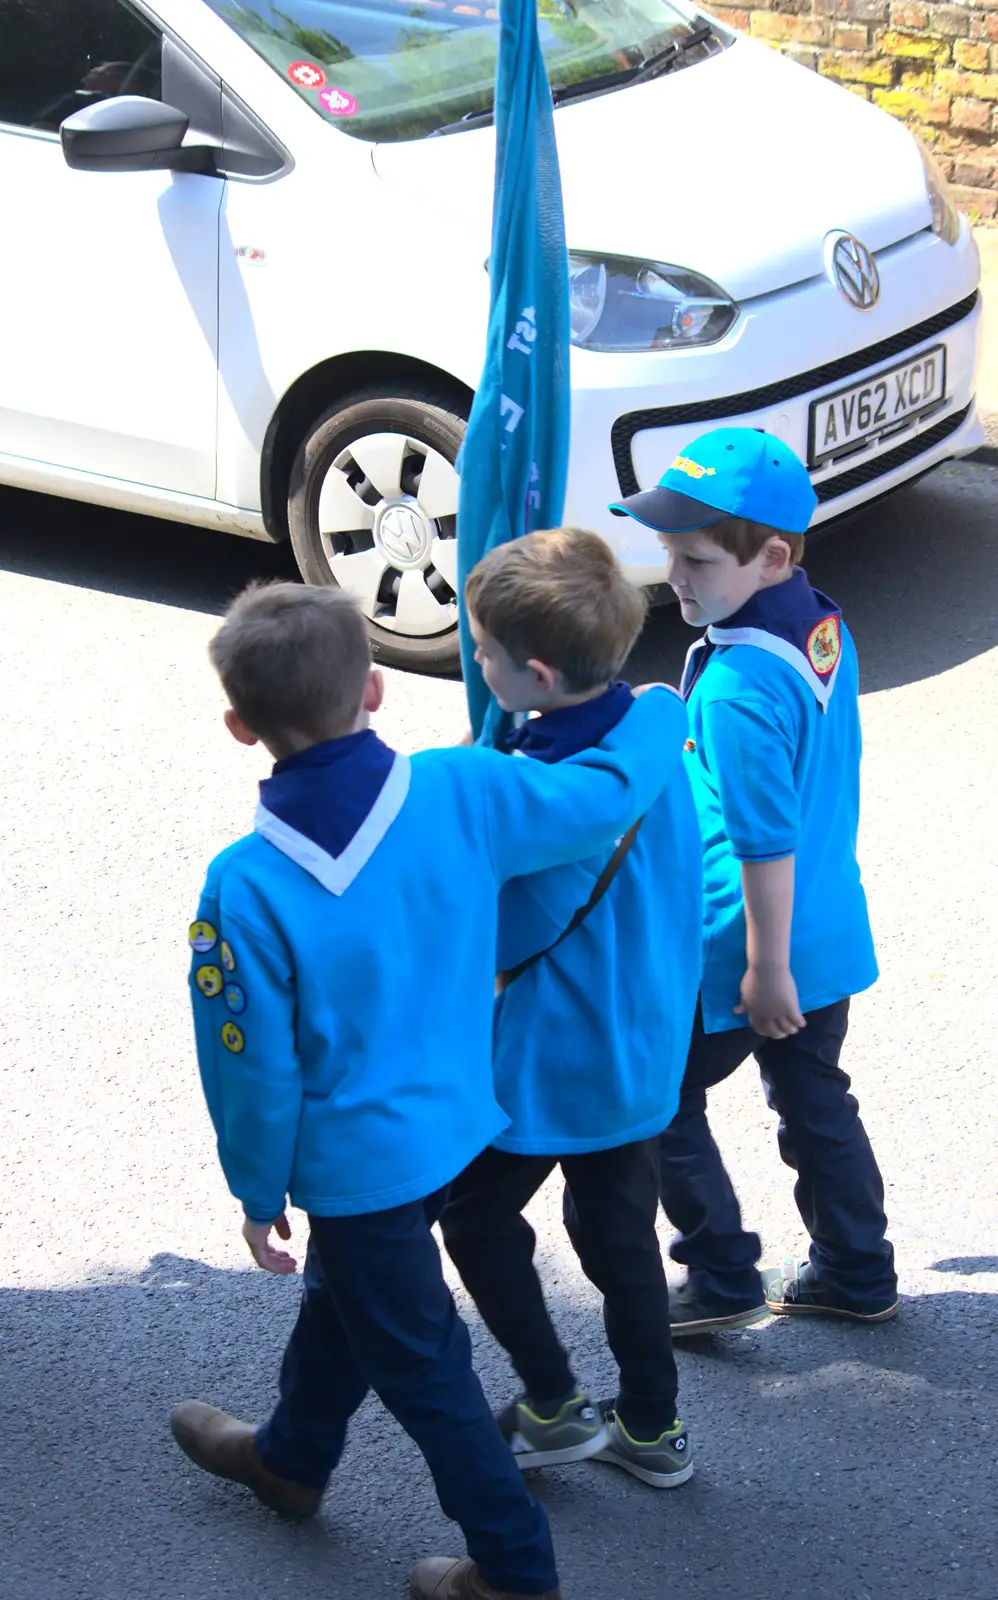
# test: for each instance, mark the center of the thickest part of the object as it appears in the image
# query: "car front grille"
(880, 466)
(735, 405)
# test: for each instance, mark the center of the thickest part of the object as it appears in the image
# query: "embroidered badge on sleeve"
(235, 998)
(209, 980)
(233, 1038)
(201, 936)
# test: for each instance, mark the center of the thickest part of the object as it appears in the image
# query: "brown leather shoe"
(224, 1446)
(443, 1578)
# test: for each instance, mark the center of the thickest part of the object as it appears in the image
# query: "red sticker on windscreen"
(338, 102)
(307, 75)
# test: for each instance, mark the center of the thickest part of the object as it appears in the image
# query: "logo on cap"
(692, 469)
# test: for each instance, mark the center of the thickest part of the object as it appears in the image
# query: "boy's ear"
(777, 559)
(238, 728)
(374, 691)
(547, 677)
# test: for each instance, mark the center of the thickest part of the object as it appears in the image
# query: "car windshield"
(389, 69)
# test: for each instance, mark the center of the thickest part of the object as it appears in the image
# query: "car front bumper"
(786, 351)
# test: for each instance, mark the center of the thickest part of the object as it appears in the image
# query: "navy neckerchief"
(793, 621)
(568, 730)
(327, 792)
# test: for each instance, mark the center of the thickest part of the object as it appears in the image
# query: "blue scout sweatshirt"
(774, 761)
(344, 955)
(591, 1041)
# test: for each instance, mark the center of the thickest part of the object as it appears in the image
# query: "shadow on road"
(142, 558)
(916, 575)
(833, 1460)
(967, 1266)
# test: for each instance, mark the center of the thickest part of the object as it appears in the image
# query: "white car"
(244, 271)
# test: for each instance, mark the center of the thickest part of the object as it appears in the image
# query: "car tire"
(372, 508)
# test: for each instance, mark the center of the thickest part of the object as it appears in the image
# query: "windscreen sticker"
(338, 102)
(307, 75)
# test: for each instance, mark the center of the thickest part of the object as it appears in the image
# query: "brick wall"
(934, 66)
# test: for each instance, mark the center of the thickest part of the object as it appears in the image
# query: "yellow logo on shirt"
(228, 959)
(692, 469)
(201, 937)
(824, 646)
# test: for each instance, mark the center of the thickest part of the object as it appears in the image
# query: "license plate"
(878, 405)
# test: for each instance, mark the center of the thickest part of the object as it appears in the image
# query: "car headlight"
(945, 216)
(621, 304)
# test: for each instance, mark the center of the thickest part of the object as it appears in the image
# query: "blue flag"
(514, 461)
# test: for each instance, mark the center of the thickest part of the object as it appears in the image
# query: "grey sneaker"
(576, 1432)
(690, 1315)
(796, 1290)
(665, 1462)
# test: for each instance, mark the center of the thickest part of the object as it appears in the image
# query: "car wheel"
(372, 509)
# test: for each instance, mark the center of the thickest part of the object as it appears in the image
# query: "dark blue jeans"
(376, 1314)
(839, 1190)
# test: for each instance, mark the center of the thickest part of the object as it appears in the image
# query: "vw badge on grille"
(853, 271)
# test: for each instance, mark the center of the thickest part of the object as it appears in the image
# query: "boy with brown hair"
(774, 758)
(599, 969)
(332, 1079)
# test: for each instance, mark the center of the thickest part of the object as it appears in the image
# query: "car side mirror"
(128, 133)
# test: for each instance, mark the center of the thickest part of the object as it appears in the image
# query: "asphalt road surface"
(831, 1461)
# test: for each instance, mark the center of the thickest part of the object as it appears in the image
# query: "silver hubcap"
(388, 526)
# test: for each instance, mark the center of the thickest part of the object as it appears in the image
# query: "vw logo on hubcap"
(403, 535)
(853, 270)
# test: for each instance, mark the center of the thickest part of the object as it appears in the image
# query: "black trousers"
(839, 1190)
(611, 1204)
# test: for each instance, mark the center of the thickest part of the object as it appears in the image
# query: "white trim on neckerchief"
(689, 663)
(762, 640)
(337, 873)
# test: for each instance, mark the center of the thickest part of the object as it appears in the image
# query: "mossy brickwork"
(934, 66)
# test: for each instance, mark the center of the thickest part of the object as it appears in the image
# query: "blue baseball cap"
(729, 472)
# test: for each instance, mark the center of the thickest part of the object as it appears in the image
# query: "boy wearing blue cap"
(332, 1078)
(600, 967)
(774, 758)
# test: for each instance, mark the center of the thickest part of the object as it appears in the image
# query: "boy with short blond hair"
(333, 1078)
(565, 585)
(774, 759)
(599, 969)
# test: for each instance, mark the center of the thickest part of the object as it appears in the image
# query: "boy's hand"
(769, 1001)
(257, 1236)
(768, 991)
